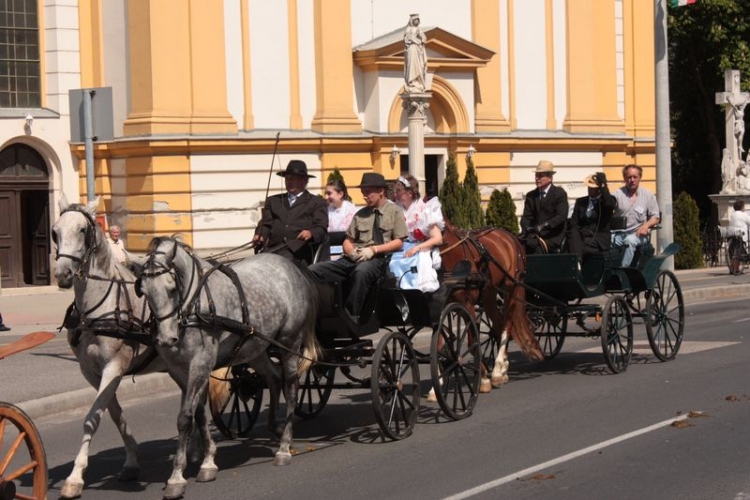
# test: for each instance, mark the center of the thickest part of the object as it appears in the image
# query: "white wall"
(531, 65)
(269, 60)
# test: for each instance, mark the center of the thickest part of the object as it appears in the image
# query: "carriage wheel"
(455, 362)
(395, 386)
(314, 390)
(617, 334)
(235, 397)
(23, 463)
(665, 316)
(489, 344)
(734, 253)
(549, 329)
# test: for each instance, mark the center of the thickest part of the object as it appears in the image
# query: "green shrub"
(451, 195)
(472, 203)
(501, 211)
(686, 226)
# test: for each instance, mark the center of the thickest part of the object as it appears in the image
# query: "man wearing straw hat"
(293, 221)
(590, 224)
(544, 213)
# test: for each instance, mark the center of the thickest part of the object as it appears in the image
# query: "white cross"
(734, 102)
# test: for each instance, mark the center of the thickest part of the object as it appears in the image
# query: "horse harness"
(188, 309)
(134, 328)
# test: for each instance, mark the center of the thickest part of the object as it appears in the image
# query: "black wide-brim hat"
(295, 167)
(371, 179)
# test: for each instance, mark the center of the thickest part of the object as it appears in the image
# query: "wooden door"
(10, 262)
(36, 237)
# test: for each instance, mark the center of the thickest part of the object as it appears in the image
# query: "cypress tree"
(687, 233)
(472, 202)
(501, 211)
(451, 196)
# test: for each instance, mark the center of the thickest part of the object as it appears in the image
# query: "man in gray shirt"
(639, 208)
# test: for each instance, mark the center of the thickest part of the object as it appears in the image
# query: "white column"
(416, 105)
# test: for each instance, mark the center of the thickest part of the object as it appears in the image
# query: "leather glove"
(354, 256)
(538, 229)
(365, 253)
(601, 179)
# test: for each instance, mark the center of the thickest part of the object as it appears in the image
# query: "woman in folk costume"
(425, 223)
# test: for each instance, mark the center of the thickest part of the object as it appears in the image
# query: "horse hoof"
(282, 459)
(485, 386)
(71, 490)
(206, 475)
(431, 398)
(129, 474)
(498, 381)
(174, 491)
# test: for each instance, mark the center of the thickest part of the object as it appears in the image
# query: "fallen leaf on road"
(731, 397)
(681, 424)
(697, 414)
(540, 477)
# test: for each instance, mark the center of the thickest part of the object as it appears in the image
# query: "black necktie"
(377, 234)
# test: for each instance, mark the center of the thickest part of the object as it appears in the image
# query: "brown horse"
(498, 261)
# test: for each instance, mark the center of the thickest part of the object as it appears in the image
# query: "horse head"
(74, 234)
(167, 280)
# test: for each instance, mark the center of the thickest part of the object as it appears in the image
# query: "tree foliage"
(705, 39)
(451, 196)
(501, 211)
(687, 233)
(472, 198)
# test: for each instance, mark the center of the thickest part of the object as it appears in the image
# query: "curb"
(716, 293)
(84, 398)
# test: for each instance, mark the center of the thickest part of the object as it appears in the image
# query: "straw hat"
(545, 167)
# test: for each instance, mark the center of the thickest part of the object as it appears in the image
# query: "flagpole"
(663, 140)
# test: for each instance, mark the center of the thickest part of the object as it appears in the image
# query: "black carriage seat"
(333, 240)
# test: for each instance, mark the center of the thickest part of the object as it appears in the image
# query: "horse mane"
(158, 240)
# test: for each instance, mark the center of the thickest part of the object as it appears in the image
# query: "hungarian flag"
(681, 3)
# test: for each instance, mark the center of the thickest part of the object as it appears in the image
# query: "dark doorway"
(24, 224)
(431, 177)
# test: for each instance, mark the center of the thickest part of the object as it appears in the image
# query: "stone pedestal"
(724, 203)
(416, 105)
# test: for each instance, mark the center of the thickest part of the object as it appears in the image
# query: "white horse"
(215, 315)
(105, 306)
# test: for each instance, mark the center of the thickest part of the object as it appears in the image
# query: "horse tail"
(520, 325)
(311, 351)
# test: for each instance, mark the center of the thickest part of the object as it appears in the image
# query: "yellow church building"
(202, 88)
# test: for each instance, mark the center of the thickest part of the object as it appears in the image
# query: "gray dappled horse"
(217, 315)
(105, 305)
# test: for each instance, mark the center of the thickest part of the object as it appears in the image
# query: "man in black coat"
(590, 224)
(544, 213)
(293, 221)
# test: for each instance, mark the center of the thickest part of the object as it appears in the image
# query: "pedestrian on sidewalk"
(3, 328)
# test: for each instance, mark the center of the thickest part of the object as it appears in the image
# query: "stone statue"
(739, 123)
(727, 173)
(743, 178)
(415, 57)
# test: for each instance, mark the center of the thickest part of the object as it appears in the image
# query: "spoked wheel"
(734, 251)
(395, 386)
(549, 328)
(665, 316)
(617, 334)
(487, 339)
(23, 463)
(315, 388)
(235, 397)
(455, 362)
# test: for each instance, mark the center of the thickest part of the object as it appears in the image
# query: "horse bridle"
(152, 269)
(90, 240)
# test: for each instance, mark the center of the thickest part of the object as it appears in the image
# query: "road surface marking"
(687, 347)
(565, 458)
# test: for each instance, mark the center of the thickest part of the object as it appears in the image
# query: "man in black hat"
(590, 224)
(293, 221)
(377, 230)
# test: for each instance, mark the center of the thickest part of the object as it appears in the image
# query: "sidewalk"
(46, 380)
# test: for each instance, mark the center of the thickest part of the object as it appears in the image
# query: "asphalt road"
(564, 429)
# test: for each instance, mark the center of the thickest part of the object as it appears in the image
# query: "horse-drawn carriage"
(561, 293)
(393, 378)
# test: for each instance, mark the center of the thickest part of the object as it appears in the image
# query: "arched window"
(19, 54)
(22, 163)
